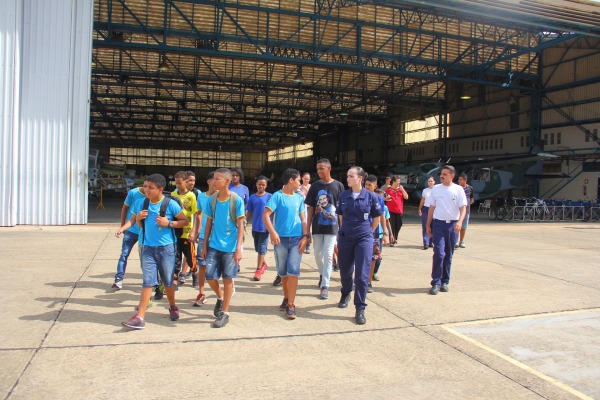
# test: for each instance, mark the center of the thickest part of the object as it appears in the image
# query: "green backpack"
(232, 203)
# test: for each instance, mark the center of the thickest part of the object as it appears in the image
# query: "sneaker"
(221, 321)
(118, 284)
(173, 313)
(258, 274)
(159, 292)
(376, 277)
(264, 267)
(218, 307)
(200, 300)
(462, 245)
(369, 288)
(290, 311)
(336, 267)
(435, 289)
(456, 245)
(188, 275)
(135, 322)
(444, 287)
(277, 281)
(344, 300)
(181, 278)
(324, 293)
(283, 305)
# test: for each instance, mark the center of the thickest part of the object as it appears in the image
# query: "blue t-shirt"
(287, 209)
(153, 234)
(132, 196)
(241, 191)
(223, 236)
(386, 214)
(256, 205)
(203, 204)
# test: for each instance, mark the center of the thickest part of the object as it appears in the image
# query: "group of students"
(354, 223)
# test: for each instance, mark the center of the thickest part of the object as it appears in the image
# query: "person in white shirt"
(444, 219)
(424, 210)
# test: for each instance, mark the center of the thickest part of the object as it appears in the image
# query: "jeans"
(444, 240)
(288, 257)
(129, 240)
(261, 240)
(426, 238)
(323, 246)
(157, 260)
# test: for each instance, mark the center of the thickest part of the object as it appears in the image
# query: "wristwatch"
(170, 224)
(306, 235)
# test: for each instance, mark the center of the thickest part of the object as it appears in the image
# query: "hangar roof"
(261, 74)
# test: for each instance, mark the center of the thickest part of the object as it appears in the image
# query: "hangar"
(162, 85)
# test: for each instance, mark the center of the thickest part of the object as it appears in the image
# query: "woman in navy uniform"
(358, 210)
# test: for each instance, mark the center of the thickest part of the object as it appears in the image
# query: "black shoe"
(218, 308)
(158, 293)
(430, 244)
(425, 247)
(370, 288)
(336, 267)
(320, 280)
(360, 317)
(344, 300)
(277, 281)
(444, 287)
(434, 290)
(221, 321)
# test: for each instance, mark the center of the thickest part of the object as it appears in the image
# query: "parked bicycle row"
(533, 209)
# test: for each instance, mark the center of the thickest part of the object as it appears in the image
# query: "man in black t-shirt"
(322, 218)
(462, 181)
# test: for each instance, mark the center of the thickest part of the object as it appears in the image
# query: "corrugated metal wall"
(45, 59)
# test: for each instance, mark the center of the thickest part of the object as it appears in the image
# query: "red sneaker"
(258, 274)
(263, 267)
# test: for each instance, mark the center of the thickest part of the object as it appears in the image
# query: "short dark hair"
(210, 175)
(157, 179)
(450, 168)
(180, 175)
(395, 178)
(324, 161)
(239, 172)
(224, 171)
(288, 174)
(262, 178)
(189, 173)
(371, 178)
(464, 176)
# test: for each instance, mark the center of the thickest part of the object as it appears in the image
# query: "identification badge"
(366, 216)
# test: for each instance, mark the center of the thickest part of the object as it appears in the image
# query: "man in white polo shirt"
(447, 211)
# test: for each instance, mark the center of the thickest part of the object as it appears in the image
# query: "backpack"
(232, 203)
(177, 232)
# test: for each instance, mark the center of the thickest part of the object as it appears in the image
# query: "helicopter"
(487, 176)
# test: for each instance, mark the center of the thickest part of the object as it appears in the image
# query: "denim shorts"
(287, 256)
(200, 262)
(220, 264)
(157, 260)
(261, 240)
(465, 223)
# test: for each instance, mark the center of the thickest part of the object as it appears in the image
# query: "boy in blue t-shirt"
(222, 247)
(157, 246)
(130, 236)
(289, 235)
(254, 210)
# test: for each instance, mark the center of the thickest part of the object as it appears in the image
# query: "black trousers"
(396, 223)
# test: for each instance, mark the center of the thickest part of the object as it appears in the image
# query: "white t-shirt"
(447, 201)
(427, 196)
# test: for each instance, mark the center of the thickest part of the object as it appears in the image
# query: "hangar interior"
(267, 84)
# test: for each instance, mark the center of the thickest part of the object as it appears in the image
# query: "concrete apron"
(521, 320)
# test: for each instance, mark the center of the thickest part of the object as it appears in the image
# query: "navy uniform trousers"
(354, 256)
(444, 239)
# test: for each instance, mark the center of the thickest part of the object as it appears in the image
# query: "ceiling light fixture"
(164, 65)
(465, 97)
(299, 78)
